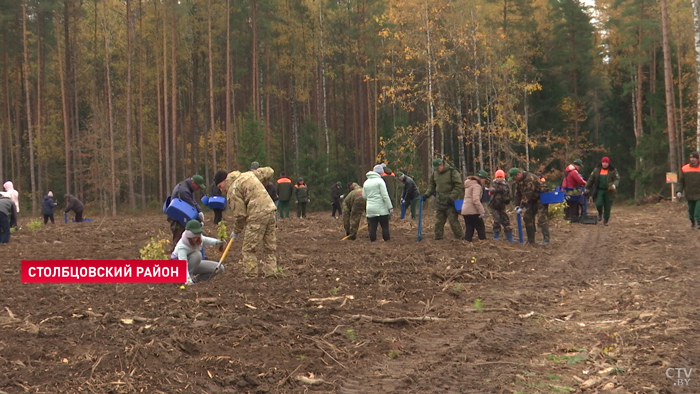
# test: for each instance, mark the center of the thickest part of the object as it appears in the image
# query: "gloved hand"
(519, 209)
(679, 195)
(220, 242)
(423, 198)
(482, 216)
(586, 193)
(391, 210)
(403, 201)
(189, 279)
(612, 188)
(296, 202)
(342, 196)
(234, 236)
(200, 217)
(309, 200)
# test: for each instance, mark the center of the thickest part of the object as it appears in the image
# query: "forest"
(116, 101)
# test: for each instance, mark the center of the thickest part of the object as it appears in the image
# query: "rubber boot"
(545, 232)
(496, 235)
(530, 235)
(509, 236)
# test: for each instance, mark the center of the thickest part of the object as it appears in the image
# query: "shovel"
(420, 221)
(65, 217)
(360, 229)
(223, 256)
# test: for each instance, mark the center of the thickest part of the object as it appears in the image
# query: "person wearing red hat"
(602, 186)
(500, 198)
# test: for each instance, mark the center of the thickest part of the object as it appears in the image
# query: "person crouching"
(190, 247)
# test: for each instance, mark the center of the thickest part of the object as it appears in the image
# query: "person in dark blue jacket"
(47, 207)
(185, 192)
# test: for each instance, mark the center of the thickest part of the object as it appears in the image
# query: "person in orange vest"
(301, 197)
(602, 188)
(285, 189)
(689, 184)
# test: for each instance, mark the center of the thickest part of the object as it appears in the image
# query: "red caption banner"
(104, 271)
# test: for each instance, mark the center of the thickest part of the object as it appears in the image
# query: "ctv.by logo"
(681, 375)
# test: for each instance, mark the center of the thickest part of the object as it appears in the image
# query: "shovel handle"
(360, 229)
(223, 256)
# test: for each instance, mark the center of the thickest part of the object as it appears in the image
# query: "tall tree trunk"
(63, 72)
(527, 131)
(173, 81)
(27, 92)
(268, 131)
(8, 112)
(696, 28)
(110, 122)
(681, 126)
(166, 129)
(431, 117)
(460, 127)
(254, 57)
(39, 99)
(323, 86)
(212, 128)
(129, 162)
(668, 82)
(478, 99)
(229, 139)
(142, 148)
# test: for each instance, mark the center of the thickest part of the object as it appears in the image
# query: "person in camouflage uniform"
(354, 210)
(253, 209)
(500, 198)
(527, 197)
(446, 181)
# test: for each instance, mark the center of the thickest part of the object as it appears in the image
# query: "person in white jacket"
(379, 207)
(190, 247)
(14, 196)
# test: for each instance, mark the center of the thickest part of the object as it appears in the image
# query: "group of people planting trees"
(256, 201)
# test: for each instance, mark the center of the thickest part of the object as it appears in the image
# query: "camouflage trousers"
(536, 210)
(352, 218)
(500, 219)
(177, 229)
(260, 230)
(443, 213)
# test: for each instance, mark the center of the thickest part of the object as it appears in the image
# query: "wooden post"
(673, 192)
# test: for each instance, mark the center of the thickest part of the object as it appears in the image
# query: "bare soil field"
(600, 310)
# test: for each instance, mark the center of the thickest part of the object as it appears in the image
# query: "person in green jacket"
(689, 183)
(301, 197)
(602, 187)
(446, 182)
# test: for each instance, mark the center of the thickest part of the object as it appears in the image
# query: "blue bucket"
(166, 204)
(552, 197)
(181, 211)
(217, 202)
(458, 205)
(205, 200)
